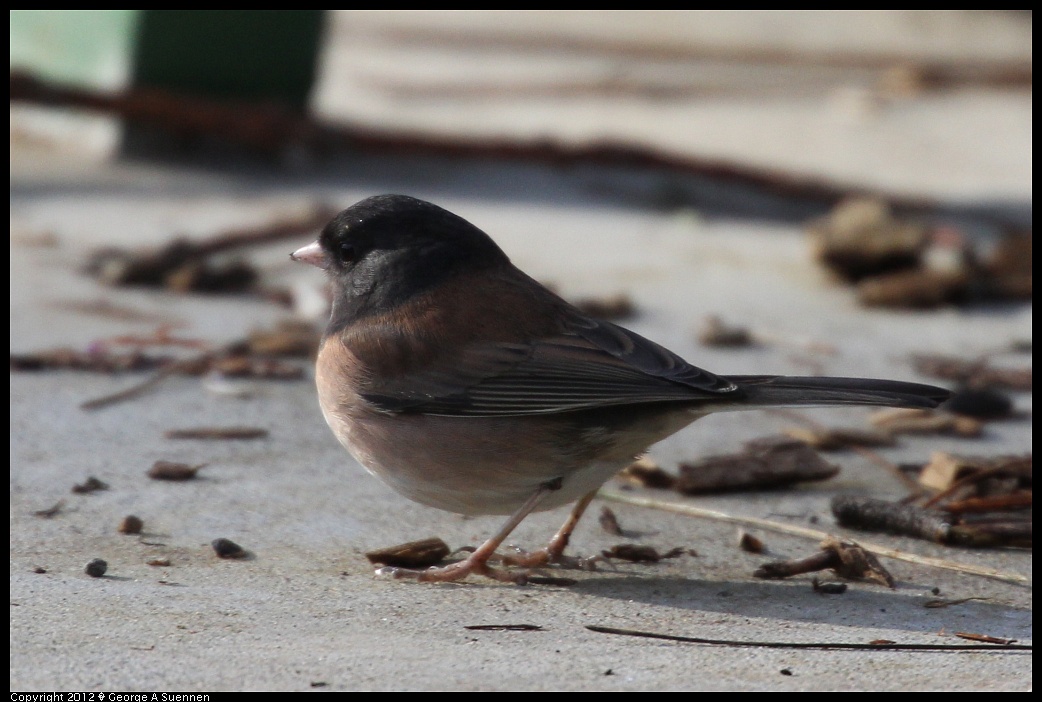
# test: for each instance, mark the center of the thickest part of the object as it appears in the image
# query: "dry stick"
(965, 480)
(271, 129)
(995, 503)
(154, 379)
(819, 646)
(314, 218)
(161, 265)
(187, 364)
(794, 530)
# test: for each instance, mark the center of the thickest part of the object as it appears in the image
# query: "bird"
(466, 385)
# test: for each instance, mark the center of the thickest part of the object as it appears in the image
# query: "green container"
(240, 55)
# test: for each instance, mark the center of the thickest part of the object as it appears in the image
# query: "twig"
(804, 532)
(846, 559)
(871, 514)
(270, 129)
(154, 379)
(993, 503)
(977, 476)
(219, 433)
(765, 463)
(184, 265)
(50, 511)
(237, 359)
(813, 645)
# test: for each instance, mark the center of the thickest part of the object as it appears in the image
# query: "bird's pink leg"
(477, 562)
(554, 551)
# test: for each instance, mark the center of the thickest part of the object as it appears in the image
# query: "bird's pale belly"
(487, 465)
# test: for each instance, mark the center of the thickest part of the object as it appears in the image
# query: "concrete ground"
(305, 610)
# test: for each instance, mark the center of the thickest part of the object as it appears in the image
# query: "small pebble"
(226, 548)
(96, 568)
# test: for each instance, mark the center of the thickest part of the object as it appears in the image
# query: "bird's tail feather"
(781, 390)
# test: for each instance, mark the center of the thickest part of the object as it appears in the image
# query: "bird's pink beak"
(313, 254)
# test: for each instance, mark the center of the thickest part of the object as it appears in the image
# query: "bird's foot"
(548, 556)
(455, 572)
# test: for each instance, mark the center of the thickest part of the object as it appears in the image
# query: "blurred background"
(919, 103)
(910, 130)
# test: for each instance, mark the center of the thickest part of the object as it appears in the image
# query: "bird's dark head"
(385, 249)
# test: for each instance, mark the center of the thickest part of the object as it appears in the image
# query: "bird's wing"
(592, 364)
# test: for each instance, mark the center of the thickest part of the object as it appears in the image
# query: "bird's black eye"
(347, 252)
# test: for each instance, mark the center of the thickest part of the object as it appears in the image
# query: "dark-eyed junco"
(464, 384)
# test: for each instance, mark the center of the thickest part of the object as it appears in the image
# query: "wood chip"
(615, 307)
(91, 484)
(762, 465)
(750, 544)
(171, 470)
(920, 421)
(646, 473)
(414, 554)
(832, 439)
(130, 525)
(715, 332)
(860, 237)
